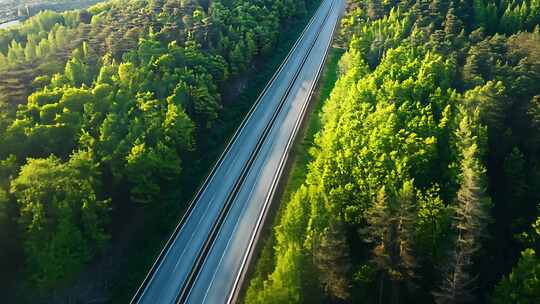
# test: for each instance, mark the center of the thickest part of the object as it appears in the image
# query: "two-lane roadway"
(206, 256)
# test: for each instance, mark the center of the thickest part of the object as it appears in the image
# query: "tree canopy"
(427, 158)
(106, 107)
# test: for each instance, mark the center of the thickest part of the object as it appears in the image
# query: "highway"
(206, 257)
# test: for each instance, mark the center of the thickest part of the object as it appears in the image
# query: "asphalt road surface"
(242, 183)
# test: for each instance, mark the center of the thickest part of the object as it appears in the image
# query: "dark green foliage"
(391, 221)
(62, 219)
(105, 108)
(522, 285)
(375, 9)
(471, 215)
(331, 256)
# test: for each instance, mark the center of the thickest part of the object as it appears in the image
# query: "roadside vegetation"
(300, 159)
(422, 184)
(105, 115)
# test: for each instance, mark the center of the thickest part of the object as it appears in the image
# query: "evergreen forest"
(109, 110)
(423, 180)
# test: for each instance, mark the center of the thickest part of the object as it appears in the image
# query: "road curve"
(251, 159)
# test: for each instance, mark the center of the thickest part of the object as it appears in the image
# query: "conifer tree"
(452, 24)
(391, 227)
(471, 216)
(332, 259)
(375, 9)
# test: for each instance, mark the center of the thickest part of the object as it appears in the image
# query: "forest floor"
(114, 276)
(296, 168)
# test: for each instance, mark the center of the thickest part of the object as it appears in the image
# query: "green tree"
(60, 215)
(391, 227)
(471, 215)
(149, 168)
(375, 9)
(332, 259)
(523, 284)
(433, 224)
(492, 102)
(452, 24)
(238, 58)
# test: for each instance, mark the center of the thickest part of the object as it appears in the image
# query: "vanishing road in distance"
(205, 259)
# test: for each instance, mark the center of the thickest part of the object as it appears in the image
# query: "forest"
(102, 110)
(22, 9)
(423, 181)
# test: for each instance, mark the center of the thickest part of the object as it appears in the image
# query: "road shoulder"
(294, 173)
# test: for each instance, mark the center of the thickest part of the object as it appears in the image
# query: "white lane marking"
(300, 95)
(208, 206)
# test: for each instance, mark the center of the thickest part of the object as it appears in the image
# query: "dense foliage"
(425, 174)
(103, 107)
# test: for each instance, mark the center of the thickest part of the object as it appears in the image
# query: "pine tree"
(480, 13)
(471, 217)
(237, 58)
(432, 224)
(391, 227)
(515, 170)
(491, 102)
(515, 190)
(378, 218)
(375, 9)
(332, 259)
(452, 24)
(437, 9)
(422, 12)
(471, 71)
